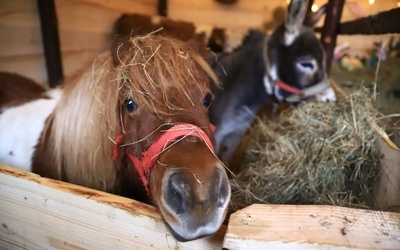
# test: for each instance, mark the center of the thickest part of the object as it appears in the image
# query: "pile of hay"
(317, 153)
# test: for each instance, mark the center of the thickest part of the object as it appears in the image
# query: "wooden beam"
(40, 213)
(162, 7)
(51, 44)
(387, 193)
(330, 29)
(312, 227)
(385, 22)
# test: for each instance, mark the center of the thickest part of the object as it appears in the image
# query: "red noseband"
(289, 88)
(146, 162)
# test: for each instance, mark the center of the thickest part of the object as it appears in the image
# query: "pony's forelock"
(155, 65)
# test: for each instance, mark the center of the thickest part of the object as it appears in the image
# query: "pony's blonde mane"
(87, 117)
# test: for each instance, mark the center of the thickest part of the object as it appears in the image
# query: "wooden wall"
(84, 31)
(85, 27)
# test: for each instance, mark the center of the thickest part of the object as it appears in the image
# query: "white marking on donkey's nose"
(307, 66)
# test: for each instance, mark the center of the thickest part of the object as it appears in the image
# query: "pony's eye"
(207, 100)
(130, 104)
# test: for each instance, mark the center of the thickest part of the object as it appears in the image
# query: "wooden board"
(40, 213)
(387, 195)
(311, 227)
(250, 13)
(84, 26)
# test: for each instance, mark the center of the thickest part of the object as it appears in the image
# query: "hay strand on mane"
(317, 153)
(159, 65)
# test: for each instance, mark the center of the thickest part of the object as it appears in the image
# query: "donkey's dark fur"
(243, 94)
(253, 74)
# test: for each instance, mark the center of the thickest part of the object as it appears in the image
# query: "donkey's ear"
(313, 18)
(294, 19)
(119, 48)
(198, 44)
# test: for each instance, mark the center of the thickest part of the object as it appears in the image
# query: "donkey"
(287, 66)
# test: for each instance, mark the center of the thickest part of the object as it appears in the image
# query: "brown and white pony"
(135, 123)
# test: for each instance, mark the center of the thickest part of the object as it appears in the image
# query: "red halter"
(289, 88)
(146, 162)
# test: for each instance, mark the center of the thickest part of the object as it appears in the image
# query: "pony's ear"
(313, 18)
(119, 48)
(198, 44)
(294, 19)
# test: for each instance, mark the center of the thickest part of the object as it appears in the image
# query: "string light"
(314, 8)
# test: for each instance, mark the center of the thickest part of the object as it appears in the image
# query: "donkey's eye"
(130, 104)
(207, 100)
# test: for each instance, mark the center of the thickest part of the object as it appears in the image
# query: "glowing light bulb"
(398, 4)
(371, 2)
(314, 8)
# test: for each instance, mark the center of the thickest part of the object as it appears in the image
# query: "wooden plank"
(40, 213)
(17, 41)
(83, 24)
(251, 13)
(127, 6)
(330, 28)
(162, 7)
(388, 191)
(33, 65)
(19, 28)
(312, 227)
(51, 42)
(19, 13)
(86, 17)
(385, 22)
(30, 65)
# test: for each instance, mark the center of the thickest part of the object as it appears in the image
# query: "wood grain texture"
(387, 196)
(312, 227)
(40, 213)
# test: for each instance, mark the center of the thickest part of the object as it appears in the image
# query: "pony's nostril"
(223, 189)
(176, 194)
(307, 66)
(223, 194)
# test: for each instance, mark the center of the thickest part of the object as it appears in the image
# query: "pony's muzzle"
(196, 203)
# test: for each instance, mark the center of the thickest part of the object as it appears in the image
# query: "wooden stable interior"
(85, 27)
(39, 213)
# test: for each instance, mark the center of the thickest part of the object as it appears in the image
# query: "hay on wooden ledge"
(317, 153)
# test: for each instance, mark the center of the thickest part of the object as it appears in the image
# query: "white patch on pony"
(308, 67)
(277, 94)
(20, 130)
(327, 95)
(290, 37)
(273, 73)
(267, 85)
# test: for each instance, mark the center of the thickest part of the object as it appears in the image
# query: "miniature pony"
(135, 123)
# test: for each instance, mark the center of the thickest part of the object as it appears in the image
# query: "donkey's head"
(295, 58)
